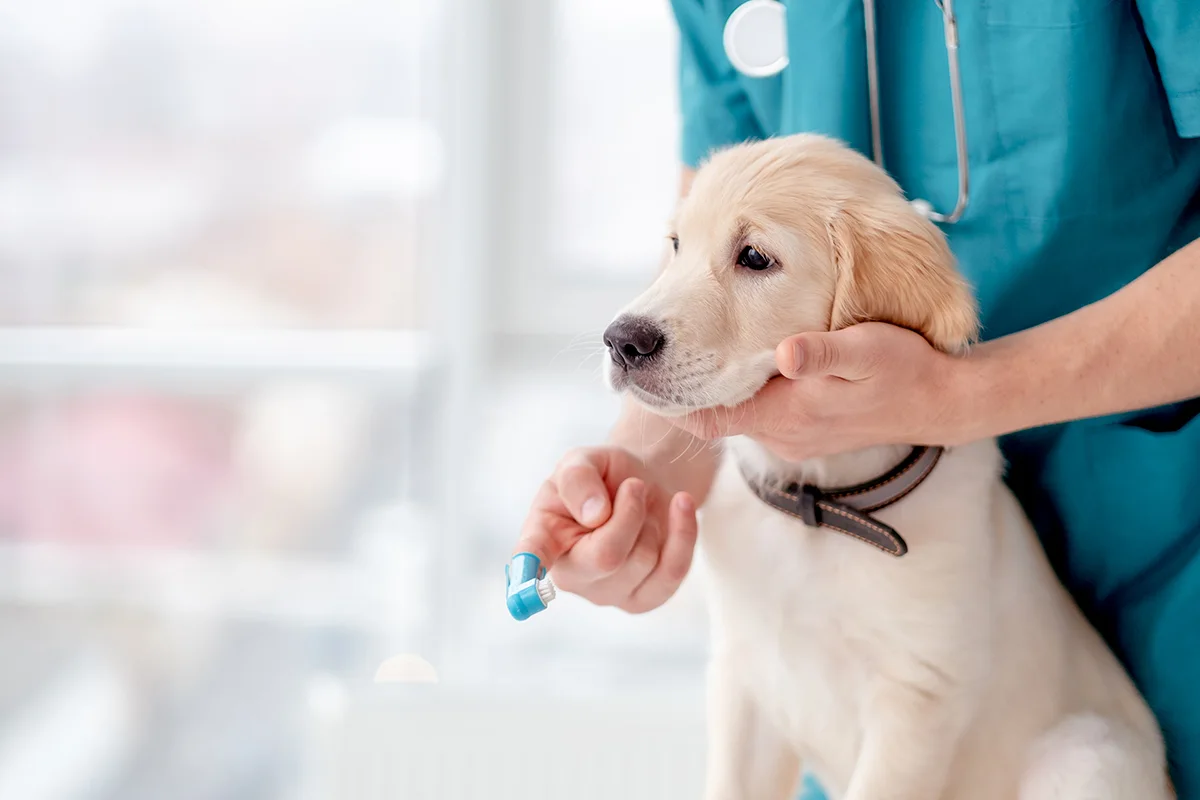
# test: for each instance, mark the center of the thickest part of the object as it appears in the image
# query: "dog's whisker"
(687, 446)
(589, 334)
(642, 432)
(742, 415)
(591, 349)
(589, 356)
(585, 339)
(670, 429)
(698, 444)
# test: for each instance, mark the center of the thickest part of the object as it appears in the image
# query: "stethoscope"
(756, 45)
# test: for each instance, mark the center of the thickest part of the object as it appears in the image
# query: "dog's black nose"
(632, 341)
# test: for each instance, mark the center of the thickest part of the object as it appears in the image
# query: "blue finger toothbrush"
(530, 590)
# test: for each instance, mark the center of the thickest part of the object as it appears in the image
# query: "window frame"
(537, 301)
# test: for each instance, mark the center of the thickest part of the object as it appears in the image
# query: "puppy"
(961, 671)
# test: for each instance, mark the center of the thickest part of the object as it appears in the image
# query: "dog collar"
(848, 509)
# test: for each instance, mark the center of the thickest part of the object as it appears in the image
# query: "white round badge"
(756, 38)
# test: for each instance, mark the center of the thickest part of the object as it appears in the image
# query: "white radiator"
(418, 745)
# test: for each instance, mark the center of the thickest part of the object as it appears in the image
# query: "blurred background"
(299, 302)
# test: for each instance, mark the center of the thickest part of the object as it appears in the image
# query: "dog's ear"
(893, 265)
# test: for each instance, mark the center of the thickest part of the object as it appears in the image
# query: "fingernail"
(685, 503)
(797, 357)
(593, 507)
(638, 491)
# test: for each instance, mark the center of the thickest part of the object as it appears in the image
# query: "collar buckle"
(804, 499)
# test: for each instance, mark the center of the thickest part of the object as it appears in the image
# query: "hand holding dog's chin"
(840, 391)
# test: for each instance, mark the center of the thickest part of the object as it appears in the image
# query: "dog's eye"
(674, 243)
(752, 259)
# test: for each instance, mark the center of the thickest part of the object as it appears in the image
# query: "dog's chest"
(800, 611)
(806, 673)
(814, 623)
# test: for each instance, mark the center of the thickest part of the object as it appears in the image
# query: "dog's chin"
(674, 408)
(661, 407)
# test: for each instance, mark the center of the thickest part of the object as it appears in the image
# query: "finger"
(580, 481)
(602, 551)
(549, 531)
(618, 588)
(675, 560)
(843, 354)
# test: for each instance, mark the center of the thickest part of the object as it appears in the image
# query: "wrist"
(999, 388)
(972, 395)
(671, 456)
(952, 413)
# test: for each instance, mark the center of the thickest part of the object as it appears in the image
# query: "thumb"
(838, 354)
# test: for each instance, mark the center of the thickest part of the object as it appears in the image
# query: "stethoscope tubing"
(950, 29)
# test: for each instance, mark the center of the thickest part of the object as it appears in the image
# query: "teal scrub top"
(1083, 121)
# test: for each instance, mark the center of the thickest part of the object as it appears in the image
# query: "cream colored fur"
(962, 671)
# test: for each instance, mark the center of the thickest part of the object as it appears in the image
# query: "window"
(284, 285)
(215, 164)
(586, 129)
(614, 119)
(589, 168)
(213, 381)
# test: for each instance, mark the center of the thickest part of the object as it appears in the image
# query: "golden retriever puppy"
(959, 671)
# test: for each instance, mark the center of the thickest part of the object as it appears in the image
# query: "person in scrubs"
(1082, 240)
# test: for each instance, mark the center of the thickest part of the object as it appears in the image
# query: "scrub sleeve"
(716, 111)
(1173, 30)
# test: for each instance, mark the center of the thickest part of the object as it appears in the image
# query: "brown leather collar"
(848, 509)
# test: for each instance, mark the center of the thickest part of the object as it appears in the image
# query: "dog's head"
(777, 238)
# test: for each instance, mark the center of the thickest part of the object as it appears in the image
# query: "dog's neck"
(845, 469)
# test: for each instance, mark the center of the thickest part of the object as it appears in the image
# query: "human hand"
(609, 530)
(844, 390)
